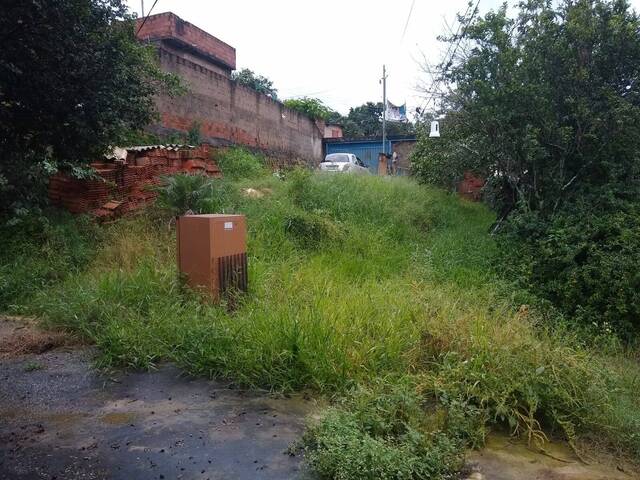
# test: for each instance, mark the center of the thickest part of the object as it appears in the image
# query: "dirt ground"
(62, 419)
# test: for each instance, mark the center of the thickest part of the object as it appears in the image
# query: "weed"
(33, 366)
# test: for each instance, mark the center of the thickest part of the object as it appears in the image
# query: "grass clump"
(238, 163)
(41, 251)
(312, 230)
(354, 279)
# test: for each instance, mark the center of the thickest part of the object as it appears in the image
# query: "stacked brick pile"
(125, 184)
(471, 187)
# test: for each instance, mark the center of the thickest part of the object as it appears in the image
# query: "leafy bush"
(198, 193)
(586, 260)
(72, 111)
(380, 434)
(237, 163)
(541, 105)
(259, 83)
(311, 107)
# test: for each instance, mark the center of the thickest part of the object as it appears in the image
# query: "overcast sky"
(331, 49)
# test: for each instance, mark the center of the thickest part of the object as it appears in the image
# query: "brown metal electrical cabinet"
(212, 252)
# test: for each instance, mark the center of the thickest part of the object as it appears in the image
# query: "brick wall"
(170, 26)
(124, 185)
(229, 113)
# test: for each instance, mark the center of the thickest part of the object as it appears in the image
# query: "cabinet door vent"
(232, 273)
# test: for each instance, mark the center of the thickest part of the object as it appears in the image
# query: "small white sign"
(228, 225)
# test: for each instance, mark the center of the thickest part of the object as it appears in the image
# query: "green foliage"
(248, 78)
(546, 102)
(94, 83)
(378, 434)
(366, 121)
(40, 251)
(194, 137)
(198, 193)
(33, 366)
(237, 163)
(406, 294)
(442, 161)
(311, 107)
(362, 121)
(312, 230)
(546, 105)
(586, 260)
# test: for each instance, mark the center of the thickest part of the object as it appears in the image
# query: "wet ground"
(60, 419)
(504, 458)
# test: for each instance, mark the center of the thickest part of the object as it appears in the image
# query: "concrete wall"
(232, 114)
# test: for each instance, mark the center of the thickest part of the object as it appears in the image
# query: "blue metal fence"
(366, 150)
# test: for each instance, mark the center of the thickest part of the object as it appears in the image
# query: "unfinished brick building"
(227, 113)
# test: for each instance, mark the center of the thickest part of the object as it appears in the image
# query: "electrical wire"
(146, 16)
(407, 22)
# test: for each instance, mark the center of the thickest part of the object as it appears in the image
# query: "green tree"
(250, 79)
(366, 121)
(546, 106)
(73, 80)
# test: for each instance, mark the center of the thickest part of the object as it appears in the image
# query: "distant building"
(333, 130)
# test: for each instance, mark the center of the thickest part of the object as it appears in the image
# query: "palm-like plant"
(185, 193)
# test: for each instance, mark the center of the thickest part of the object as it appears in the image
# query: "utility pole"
(384, 109)
(141, 8)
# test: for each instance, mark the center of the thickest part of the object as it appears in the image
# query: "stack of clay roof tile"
(124, 181)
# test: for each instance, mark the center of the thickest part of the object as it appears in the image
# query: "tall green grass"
(356, 284)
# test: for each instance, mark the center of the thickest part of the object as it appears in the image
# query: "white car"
(343, 162)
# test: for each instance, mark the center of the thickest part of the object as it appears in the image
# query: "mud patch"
(504, 458)
(21, 336)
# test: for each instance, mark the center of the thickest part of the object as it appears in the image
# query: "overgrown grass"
(353, 280)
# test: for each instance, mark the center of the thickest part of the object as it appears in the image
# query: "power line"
(450, 61)
(145, 18)
(407, 22)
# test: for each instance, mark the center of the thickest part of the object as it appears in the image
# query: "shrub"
(311, 230)
(237, 163)
(585, 259)
(198, 193)
(380, 434)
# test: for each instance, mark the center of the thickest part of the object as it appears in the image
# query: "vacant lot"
(376, 292)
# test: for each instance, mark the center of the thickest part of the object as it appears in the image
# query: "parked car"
(343, 162)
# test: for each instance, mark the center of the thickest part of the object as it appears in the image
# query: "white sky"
(333, 50)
